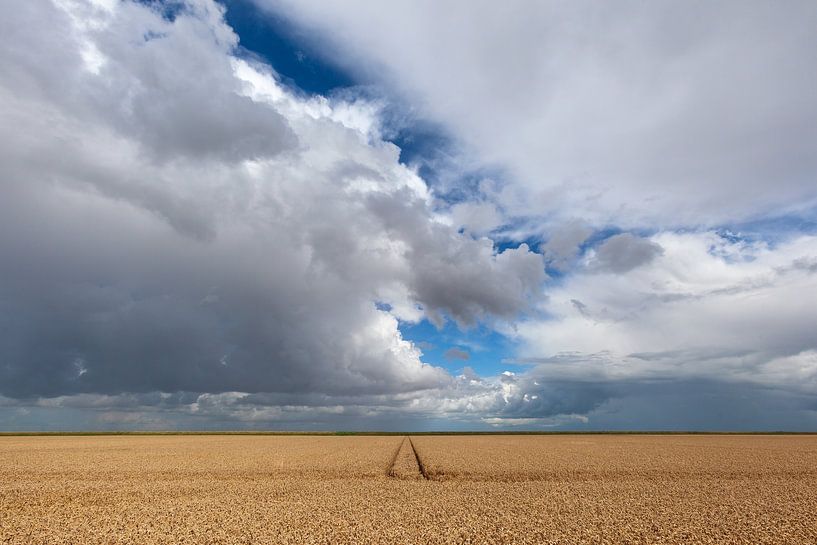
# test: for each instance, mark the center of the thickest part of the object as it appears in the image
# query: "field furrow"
(405, 464)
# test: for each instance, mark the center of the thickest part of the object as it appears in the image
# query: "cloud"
(477, 218)
(637, 117)
(186, 242)
(709, 309)
(454, 353)
(624, 252)
(563, 246)
(175, 220)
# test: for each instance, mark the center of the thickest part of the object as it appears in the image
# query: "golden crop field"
(422, 489)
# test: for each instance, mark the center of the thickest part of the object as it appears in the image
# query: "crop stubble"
(480, 489)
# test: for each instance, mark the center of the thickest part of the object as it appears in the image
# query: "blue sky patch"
(772, 230)
(484, 347)
(284, 48)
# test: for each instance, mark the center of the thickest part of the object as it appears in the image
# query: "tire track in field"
(419, 461)
(390, 468)
(406, 464)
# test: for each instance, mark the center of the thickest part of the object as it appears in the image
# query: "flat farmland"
(418, 489)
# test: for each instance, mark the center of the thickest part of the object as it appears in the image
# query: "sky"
(413, 215)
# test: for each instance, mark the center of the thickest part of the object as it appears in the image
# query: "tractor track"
(406, 463)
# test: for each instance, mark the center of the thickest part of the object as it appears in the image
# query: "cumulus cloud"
(175, 220)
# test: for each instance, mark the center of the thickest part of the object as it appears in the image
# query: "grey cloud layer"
(661, 115)
(174, 220)
(624, 252)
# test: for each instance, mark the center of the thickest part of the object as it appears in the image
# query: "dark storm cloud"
(166, 226)
(535, 395)
(709, 405)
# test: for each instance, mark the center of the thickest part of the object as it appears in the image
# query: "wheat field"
(418, 489)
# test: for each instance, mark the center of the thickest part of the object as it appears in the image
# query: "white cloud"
(477, 218)
(659, 115)
(707, 308)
